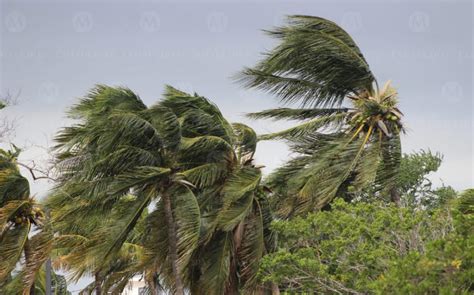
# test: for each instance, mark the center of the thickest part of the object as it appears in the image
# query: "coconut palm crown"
(349, 137)
(167, 191)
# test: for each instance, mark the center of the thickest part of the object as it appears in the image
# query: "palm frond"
(387, 174)
(188, 220)
(252, 249)
(167, 123)
(319, 183)
(316, 63)
(11, 247)
(215, 266)
(37, 251)
(13, 186)
(204, 149)
(182, 103)
(111, 238)
(312, 126)
(246, 142)
(102, 99)
(295, 114)
(206, 174)
(137, 178)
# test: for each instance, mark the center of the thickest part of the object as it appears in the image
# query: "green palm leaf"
(216, 261)
(11, 247)
(316, 63)
(295, 114)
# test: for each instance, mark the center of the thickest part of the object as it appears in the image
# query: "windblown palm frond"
(316, 63)
(236, 226)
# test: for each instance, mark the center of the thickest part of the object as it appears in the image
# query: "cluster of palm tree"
(171, 191)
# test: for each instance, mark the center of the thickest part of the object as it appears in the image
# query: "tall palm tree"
(179, 171)
(350, 131)
(236, 218)
(120, 149)
(25, 234)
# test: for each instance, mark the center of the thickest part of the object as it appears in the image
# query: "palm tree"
(236, 218)
(350, 135)
(25, 234)
(123, 159)
(170, 191)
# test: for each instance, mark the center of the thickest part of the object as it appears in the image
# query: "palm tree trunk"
(97, 288)
(275, 289)
(395, 196)
(172, 244)
(152, 285)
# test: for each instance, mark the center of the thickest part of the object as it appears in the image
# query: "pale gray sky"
(52, 52)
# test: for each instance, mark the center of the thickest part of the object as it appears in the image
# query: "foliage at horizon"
(375, 248)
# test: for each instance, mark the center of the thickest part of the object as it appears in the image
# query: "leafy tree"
(351, 128)
(25, 234)
(414, 186)
(375, 249)
(446, 266)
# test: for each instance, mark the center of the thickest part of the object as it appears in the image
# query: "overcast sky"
(52, 52)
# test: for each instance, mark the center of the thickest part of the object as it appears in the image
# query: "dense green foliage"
(374, 248)
(371, 246)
